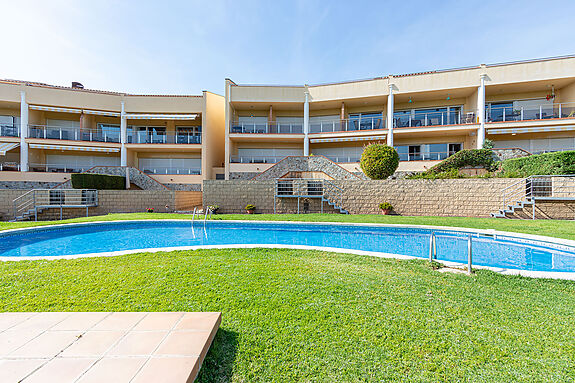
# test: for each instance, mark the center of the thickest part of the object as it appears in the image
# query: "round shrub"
(379, 161)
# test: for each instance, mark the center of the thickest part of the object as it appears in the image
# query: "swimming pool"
(491, 249)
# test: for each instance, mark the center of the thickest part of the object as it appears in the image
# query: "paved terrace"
(104, 346)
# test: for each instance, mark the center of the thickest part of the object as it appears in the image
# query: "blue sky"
(189, 46)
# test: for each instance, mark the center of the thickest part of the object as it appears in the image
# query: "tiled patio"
(117, 347)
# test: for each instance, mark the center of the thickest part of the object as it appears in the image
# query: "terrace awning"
(531, 129)
(75, 148)
(6, 146)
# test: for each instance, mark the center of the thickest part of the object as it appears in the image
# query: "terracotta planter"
(250, 211)
(385, 211)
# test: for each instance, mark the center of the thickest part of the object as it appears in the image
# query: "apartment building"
(48, 132)
(426, 116)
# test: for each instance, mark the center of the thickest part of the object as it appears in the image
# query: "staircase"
(520, 198)
(306, 188)
(32, 203)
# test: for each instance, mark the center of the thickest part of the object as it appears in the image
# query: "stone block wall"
(113, 201)
(457, 197)
(452, 197)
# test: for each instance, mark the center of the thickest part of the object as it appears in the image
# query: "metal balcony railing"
(72, 134)
(419, 119)
(9, 130)
(171, 170)
(538, 112)
(165, 138)
(347, 125)
(36, 200)
(269, 127)
(256, 159)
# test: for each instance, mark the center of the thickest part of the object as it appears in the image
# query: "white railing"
(256, 159)
(347, 125)
(425, 156)
(417, 119)
(35, 200)
(309, 188)
(550, 187)
(170, 170)
(61, 167)
(72, 134)
(538, 112)
(9, 131)
(269, 127)
(9, 166)
(165, 138)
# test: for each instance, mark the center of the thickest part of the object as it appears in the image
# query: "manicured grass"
(311, 316)
(552, 228)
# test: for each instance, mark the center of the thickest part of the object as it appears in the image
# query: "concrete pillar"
(123, 137)
(390, 116)
(481, 112)
(227, 121)
(306, 125)
(23, 132)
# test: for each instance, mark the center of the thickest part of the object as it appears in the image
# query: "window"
(365, 121)
(454, 148)
(414, 152)
(427, 117)
(170, 165)
(188, 134)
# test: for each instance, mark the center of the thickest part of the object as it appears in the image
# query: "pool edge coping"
(504, 271)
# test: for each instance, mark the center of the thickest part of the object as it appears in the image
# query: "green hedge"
(544, 164)
(379, 161)
(468, 157)
(98, 181)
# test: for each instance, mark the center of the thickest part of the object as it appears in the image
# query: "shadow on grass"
(219, 362)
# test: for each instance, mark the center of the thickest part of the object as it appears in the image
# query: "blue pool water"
(502, 251)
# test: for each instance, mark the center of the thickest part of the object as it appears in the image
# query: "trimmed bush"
(468, 157)
(540, 164)
(98, 181)
(379, 161)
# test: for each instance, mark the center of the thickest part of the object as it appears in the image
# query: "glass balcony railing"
(270, 127)
(170, 170)
(158, 138)
(69, 167)
(9, 130)
(256, 159)
(348, 125)
(72, 134)
(9, 166)
(434, 118)
(524, 113)
(425, 156)
(344, 159)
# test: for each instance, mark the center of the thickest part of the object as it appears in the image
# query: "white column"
(23, 132)
(306, 125)
(390, 116)
(481, 112)
(123, 137)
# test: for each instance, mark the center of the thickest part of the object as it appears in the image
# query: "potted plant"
(150, 210)
(213, 208)
(250, 208)
(385, 208)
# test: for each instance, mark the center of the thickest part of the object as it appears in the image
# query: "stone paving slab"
(86, 347)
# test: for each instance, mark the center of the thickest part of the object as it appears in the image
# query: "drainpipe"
(23, 132)
(306, 124)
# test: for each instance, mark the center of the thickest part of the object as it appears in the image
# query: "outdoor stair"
(334, 205)
(514, 209)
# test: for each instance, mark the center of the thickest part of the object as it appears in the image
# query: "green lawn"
(553, 228)
(311, 316)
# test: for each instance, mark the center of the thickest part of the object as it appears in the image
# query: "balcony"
(347, 125)
(269, 127)
(69, 167)
(73, 134)
(256, 159)
(9, 130)
(430, 117)
(512, 113)
(170, 170)
(164, 138)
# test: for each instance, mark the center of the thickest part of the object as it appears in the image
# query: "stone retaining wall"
(114, 201)
(456, 197)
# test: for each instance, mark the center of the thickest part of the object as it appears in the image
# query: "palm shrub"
(379, 161)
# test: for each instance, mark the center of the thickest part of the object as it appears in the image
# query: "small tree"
(379, 161)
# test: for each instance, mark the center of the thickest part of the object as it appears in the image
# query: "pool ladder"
(433, 250)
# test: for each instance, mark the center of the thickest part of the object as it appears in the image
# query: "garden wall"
(114, 201)
(452, 197)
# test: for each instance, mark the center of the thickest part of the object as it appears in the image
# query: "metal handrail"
(35, 199)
